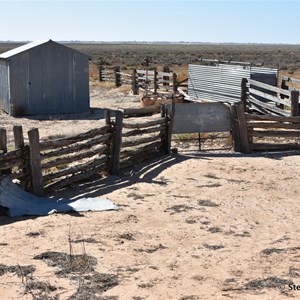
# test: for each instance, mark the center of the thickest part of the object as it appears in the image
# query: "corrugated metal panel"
(19, 83)
(261, 70)
(223, 82)
(265, 75)
(36, 83)
(58, 79)
(218, 83)
(4, 86)
(81, 83)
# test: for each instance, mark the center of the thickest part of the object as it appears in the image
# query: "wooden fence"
(110, 74)
(137, 141)
(15, 163)
(152, 80)
(65, 161)
(266, 99)
(264, 132)
(45, 166)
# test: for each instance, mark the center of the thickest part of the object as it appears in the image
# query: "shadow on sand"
(148, 172)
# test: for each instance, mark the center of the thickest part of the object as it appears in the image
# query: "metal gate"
(200, 118)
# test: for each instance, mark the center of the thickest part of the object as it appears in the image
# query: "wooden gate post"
(244, 93)
(294, 103)
(169, 126)
(174, 83)
(3, 147)
(163, 132)
(166, 69)
(100, 70)
(155, 81)
(235, 129)
(117, 70)
(37, 187)
(117, 143)
(18, 137)
(283, 86)
(3, 140)
(134, 86)
(19, 144)
(243, 132)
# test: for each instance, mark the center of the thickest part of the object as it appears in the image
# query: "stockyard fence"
(265, 119)
(45, 166)
(144, 79)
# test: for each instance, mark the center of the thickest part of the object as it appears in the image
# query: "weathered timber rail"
(266, 99)
(45, 166)
(253, 132)
(141, 79)
(138, 140)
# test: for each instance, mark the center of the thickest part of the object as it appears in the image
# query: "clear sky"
(223, 21)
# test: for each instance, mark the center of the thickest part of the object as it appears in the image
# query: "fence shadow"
(93, 114)
(277, 155)
(145, 173)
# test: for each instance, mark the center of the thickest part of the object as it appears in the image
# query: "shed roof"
(23, 48)
(31, 45)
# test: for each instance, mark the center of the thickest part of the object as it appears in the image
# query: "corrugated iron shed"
(44, 77)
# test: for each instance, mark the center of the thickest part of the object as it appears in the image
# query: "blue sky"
(239, 21)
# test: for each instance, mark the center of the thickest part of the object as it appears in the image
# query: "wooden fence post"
(35, 163)
(244, 93)
(18, 137)
(169, 126)
(235, 129)
(107, 117)
(174, 83)
(155, 81)
(166, 69)
(243, 132)
(101, 69)
(117, 71)
(163, 132)
(3, 140)
(134, 86)
(295, 103)
(19, 144)
(283, 86)
(3, 147)
(115, 164)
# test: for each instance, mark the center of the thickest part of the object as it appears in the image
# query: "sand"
(205, 225)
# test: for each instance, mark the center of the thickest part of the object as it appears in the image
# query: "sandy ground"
(101, 97)
(212, 225)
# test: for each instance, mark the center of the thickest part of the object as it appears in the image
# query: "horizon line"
(153, 42)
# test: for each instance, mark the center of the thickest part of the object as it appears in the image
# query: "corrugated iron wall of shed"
(218, 83)
(58, 79)
(36, 81)
(4, 86)
(81, 82)
(19, 83)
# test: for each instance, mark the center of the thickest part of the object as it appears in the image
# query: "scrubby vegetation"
(128, 55)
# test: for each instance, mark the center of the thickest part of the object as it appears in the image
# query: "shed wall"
(4, 86)
(19, 84)
(50, 79)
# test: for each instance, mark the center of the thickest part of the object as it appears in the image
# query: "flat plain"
(197, 225)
